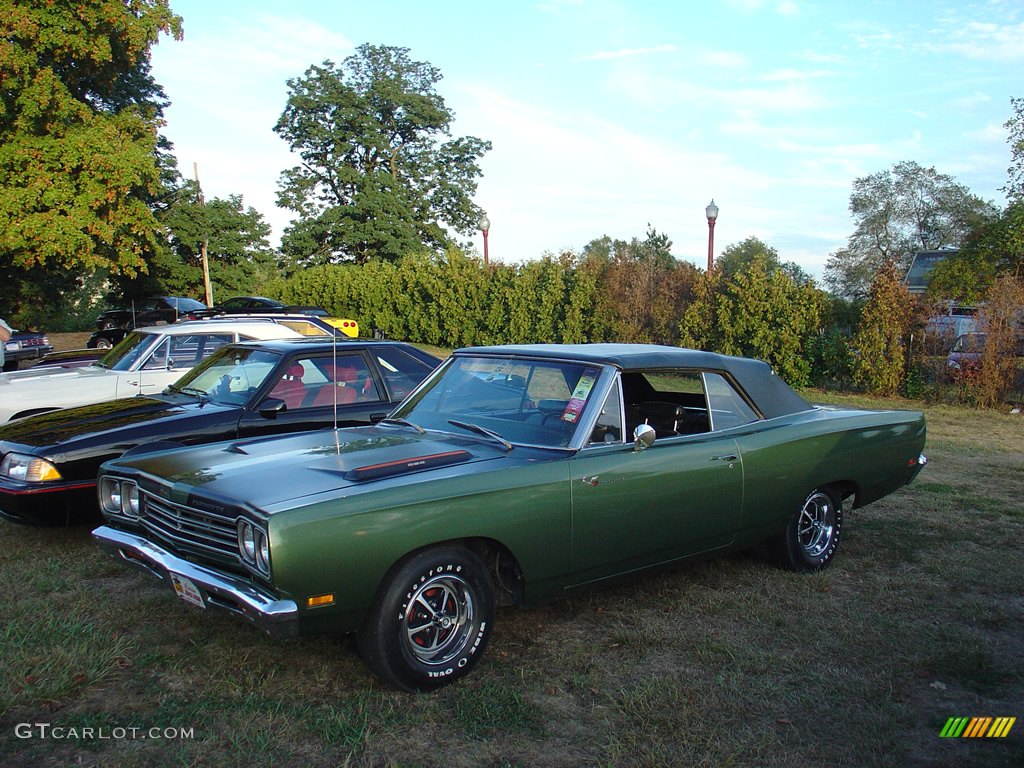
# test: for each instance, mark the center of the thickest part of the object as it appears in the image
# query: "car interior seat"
(290, 388)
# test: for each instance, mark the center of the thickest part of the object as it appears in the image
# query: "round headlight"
(262, 551)
(130, 499)
(110, 495)
(246, 541)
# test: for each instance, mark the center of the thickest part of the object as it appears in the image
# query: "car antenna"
(334, 389)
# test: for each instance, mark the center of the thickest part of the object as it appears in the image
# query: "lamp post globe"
(711, 211)
(485, 226)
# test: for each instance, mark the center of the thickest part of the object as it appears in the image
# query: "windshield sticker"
(580, 394)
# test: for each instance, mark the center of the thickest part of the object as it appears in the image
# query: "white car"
(144, 362)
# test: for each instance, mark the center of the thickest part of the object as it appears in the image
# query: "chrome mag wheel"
(439, 619)
(816, 524)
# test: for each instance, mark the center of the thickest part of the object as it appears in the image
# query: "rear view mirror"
(643, 437)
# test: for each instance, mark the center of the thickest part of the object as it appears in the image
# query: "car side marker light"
(317, 601)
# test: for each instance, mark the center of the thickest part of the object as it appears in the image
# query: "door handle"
(726, 457)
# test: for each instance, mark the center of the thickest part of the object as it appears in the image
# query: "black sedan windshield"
(230, 376)
(531, 402)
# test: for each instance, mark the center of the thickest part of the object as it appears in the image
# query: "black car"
(25, 345)
(48, 463)
(112, 324)
(244, 305)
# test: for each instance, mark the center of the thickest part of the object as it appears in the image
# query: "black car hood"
(271, 472)
(59, 429)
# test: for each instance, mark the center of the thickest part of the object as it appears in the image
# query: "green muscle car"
(513, 474)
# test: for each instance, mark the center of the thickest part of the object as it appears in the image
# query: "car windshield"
(529, 402)
(230, 376)
(970, 342)
(185, 305)
(127, 353)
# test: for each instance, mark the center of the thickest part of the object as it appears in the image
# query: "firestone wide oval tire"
(812, 536)
(430, 621)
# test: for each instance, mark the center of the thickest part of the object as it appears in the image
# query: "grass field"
(725, 663)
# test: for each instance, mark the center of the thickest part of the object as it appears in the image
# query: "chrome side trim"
(278, 618)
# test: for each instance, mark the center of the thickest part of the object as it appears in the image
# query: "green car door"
(632, 508)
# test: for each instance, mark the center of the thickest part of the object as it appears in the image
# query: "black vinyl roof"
(771, 394)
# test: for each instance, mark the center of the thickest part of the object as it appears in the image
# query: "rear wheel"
(810, 540)
(104, 344)
(430, 621)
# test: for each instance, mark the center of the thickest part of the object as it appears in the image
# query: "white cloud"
(624, 53)
(984, 41)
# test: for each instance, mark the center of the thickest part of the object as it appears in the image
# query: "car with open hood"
(48, 463)
(143, 363)
(512, 474)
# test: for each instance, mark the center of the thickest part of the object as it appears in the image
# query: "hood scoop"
(402, 466)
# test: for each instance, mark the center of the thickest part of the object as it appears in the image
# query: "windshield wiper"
(482, 431)
(404, 423)
(195, 392)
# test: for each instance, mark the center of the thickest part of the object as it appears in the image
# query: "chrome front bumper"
(224, 592)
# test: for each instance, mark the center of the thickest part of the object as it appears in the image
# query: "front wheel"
(430, 621)
(810, 540)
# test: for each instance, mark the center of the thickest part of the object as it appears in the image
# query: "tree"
(758, 312)
(1000, 320)
(741, 256)
(643, 289)
(994, 248)
(1015, 125)
(897, 212)
(376, 179)
(878, 362)
(79, 113)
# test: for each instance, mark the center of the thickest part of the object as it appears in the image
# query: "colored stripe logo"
(977, 727)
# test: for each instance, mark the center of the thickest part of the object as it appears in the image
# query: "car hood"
(268, 472)
(35, 377)
(62, 430)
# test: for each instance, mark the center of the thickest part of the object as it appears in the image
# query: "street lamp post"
(712, 213)
(485, 227)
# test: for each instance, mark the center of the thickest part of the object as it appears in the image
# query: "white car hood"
(48, 388)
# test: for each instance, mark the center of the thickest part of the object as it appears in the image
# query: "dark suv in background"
(25, 345)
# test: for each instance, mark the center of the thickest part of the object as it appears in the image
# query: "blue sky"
(607, 115)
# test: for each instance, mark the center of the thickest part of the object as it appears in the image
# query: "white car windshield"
(530, 402)
(128, 351)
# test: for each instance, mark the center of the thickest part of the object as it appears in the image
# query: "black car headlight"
(29, 469)
(254, 546)
(119, 497)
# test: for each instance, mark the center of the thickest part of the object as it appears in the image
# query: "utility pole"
(206, 263)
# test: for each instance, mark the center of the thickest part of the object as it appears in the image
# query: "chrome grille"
(188, 526)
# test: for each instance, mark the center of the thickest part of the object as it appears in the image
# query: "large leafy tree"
(897, 212)
(238, 252)
(79, 114)
(996, 246)
(380, 176)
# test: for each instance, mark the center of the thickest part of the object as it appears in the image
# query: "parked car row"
(509, 474)
(114, 324)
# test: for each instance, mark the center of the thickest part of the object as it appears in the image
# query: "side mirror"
(643, 437)
(170, 363)
(271, 407)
